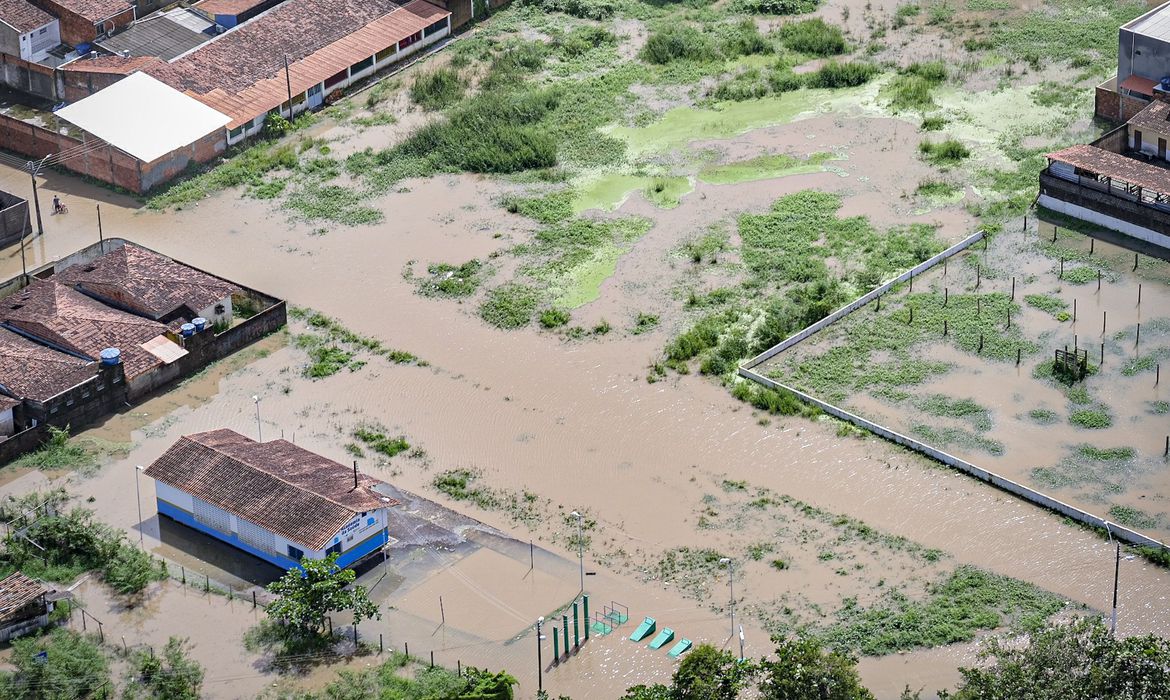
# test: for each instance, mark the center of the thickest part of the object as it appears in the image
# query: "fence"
(1031, 495)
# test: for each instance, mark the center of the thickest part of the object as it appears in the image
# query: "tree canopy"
(306, 595)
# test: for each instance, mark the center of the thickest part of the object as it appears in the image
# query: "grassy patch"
(378, 441)
(947, 437)
(1044, 416)
(451, 281)
(774, 7)
(332, 347)
(60, 453)
(1092, 418)
(956, 608)
(1046, 302)
(644, 323)
(950, 407)
(551, 208)
(677, 42)
(936, 189)
(438, 88)
(813, 37)
(554, 318)
(763, 167)
(912, 87)
(944, 153)
(1133, 517)
(510, 306)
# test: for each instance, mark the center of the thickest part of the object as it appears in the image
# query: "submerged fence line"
(1015, 488)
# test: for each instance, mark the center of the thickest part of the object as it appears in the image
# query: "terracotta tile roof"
(1154, 116)
(112, 64)
(227, 7)
(23, 16)
(145, 282)
(56, 314)
(29, 370)
(95, 10)
(241, 72)
(16, 592)
(7, 403)
(283, 488)
(1102, 162)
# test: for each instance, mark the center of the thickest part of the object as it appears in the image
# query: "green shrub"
(677, 42)
(438, 88)
(943, 153)
(585, 9)
(839, 75)
(781, 79)
(774, 7)
(582, 40)
(380, 442)
(552, 318)
(933, 123)
(813, 37)
(748, 85)
(644, 323)
(743, 39)
(912, 87)
(1092, 418)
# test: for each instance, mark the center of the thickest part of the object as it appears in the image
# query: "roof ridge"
(274, 476)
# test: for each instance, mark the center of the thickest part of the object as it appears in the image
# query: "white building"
(274, 500)
(27, 31)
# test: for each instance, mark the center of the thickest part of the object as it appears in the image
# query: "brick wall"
(104, 163)
(172, 164)
(76, 29)
(14, 219)
(1115, 107)
(79, 84)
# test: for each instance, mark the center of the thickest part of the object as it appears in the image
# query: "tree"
(73, 666)
(802, 670)
(1079, 659)
(305, 596)
(708, 673)
(171, 676)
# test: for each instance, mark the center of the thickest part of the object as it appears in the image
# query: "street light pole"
(138, 499)
(741, 642)
(731, 583)
(259, 432)
(1116, 577)
(580, 547)
(539, 660)
(32, 171)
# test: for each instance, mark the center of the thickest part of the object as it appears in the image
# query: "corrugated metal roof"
(1102, 162)
(158, 36)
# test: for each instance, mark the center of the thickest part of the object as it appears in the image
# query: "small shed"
(24, 606)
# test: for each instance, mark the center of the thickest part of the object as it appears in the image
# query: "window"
(44, 30)
(361, 65)
(409, 40)
(333, 549)
(235, 133)
(386, 53)
(436, 27)
(295, 554)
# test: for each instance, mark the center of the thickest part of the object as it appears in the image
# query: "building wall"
(14, 219)
(1141, 55)
(80, 84)
(83, 404)
(164, 169)
(1112, 106)
(42, 39)
(24, 76)
(102, 163)
(7, 423)
(1149, 144)
(11, 41)
(1129, 217)
(76, 29)
(213, 318)
(358, 538)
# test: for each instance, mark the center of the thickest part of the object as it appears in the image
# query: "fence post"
(253, 599)
(381, 646)
(432, 658)
(406, 648)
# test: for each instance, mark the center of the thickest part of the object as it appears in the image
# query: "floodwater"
(573, 422)
(1107, 322)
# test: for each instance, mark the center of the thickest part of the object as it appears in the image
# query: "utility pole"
(580, 547)
(539, 660)
(32, 171)
(101, 236)
(259, 432)
(1116, 577)
(288, 84)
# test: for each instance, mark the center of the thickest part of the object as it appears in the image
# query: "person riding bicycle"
(58, 207)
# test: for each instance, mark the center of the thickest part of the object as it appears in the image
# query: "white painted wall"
(1105, 220)
(7, 422)
(214, 318)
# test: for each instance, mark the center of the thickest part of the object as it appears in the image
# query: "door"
(316, 96)
(1162, 148)
(1137, 140)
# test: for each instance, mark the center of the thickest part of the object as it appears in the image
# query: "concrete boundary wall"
(862, 301)
(1017, 489)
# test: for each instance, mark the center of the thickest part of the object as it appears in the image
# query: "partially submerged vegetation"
(332, 347)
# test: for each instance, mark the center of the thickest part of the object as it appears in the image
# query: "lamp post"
(580, 546)
(539, 661)
(138, 500)
(741, 642)
(731, 583)
(259, 432)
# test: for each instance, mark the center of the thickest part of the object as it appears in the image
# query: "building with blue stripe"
(274, 500)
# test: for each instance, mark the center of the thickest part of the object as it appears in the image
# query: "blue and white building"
(274, 500)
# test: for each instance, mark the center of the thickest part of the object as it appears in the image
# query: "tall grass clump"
(774, 7)
(743, 39)
(510, 306)
(491, 133)
(839, 75)
(912, 88)
(813, 37)
(944, 153)
(437, 89)
(585, 9)
(677, 42)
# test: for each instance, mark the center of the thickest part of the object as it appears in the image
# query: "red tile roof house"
(82, 21)
(329, 44)
(46, 385)
(274, 500)
(24, 606)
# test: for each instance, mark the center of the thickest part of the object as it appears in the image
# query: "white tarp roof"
(144, 117)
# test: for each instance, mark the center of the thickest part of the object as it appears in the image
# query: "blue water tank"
(1165, 82)
(187, 329)
(111, 356)
(200, 324)
(82, 48)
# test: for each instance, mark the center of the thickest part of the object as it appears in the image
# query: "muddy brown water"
(574, 422)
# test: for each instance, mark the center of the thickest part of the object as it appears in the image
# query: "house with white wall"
(274, 500)
(27, 31)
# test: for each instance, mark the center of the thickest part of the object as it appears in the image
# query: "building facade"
(273, 500)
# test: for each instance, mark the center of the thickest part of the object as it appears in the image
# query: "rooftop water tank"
(111, 356)
(187, 329)
(200, 324)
